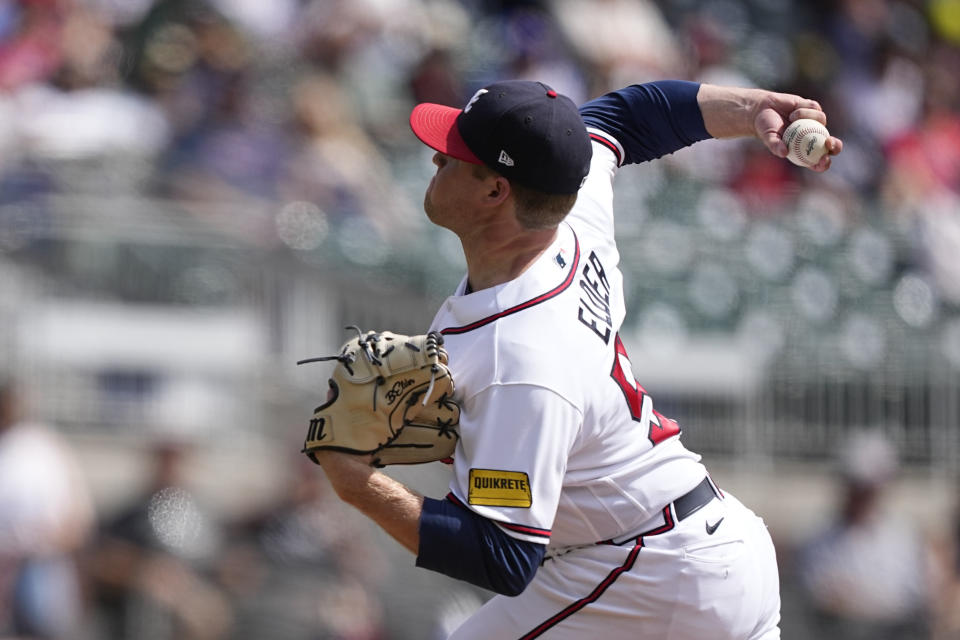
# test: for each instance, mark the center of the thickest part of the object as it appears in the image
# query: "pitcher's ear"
(499, 191)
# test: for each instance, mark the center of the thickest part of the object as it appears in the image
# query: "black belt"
(694, 500)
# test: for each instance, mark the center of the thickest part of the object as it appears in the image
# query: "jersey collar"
(551, 274)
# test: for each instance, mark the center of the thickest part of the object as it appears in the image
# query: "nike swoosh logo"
(712, 528)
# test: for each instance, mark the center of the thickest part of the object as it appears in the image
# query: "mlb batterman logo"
(495, 488)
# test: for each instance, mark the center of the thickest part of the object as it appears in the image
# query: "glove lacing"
(369, 343)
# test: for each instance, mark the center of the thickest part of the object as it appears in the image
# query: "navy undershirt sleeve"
(459, 543)
(649, 120)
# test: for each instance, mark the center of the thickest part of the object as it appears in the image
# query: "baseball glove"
(390, 396)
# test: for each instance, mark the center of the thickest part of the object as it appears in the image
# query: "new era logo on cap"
(549, 148)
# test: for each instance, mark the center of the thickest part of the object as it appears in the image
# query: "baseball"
(806, 142)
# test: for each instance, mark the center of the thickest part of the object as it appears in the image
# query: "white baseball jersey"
(560, 445)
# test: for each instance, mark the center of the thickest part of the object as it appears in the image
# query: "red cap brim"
(436, 126)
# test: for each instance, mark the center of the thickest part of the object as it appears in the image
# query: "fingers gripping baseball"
(773, 114)
(773, 119)
(387, 391)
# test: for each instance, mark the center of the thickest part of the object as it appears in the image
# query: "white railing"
(793, 401)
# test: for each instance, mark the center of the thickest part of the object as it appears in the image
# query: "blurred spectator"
(867, 574)
(201, 69)
(530, 44)
(947, 618)
(877, 79)
(28, 51)
(306, 567)
(148, 567)
(435, 79)
(64, 105)
(266, 20)
(764, 185)
(921, 184)
(333, 30)
(337, 166)
(947, 592)
(46, 514)
(371, 48)
(622, 41)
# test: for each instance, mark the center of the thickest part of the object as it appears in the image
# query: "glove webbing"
(347, 357)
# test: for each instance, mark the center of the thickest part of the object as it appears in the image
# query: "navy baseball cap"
(524, 130)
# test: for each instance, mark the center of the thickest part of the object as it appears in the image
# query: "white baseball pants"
(677, 582)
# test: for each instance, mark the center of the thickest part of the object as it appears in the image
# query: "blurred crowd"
(305, 101)
(297, 108)
(846, 580)
(164, 564)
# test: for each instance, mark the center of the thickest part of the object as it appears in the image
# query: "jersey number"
(659, 428)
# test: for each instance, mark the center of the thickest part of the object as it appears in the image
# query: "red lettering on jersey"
(662, 428)
(659, 427)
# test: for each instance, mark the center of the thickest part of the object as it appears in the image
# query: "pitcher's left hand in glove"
(390, 396)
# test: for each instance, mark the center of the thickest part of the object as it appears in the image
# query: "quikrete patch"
(496, 488)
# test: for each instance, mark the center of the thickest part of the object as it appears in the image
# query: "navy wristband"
(649, 120)
(459, 543)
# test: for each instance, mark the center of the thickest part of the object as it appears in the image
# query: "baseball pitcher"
(571, 496)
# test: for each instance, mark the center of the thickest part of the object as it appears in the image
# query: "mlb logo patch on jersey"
(494, 488)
